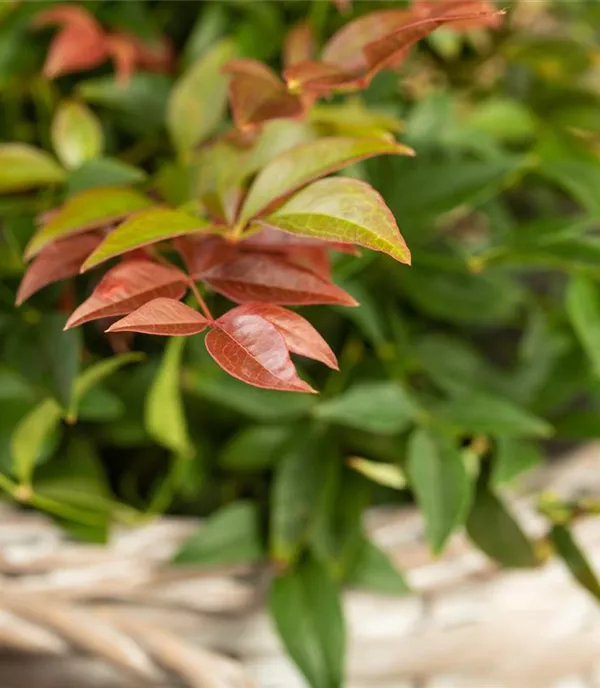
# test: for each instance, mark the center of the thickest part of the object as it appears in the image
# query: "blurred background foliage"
(458, 374)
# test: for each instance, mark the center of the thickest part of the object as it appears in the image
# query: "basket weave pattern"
(119, 617)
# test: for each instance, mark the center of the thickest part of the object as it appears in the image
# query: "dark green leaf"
(569, 551)
(103, 172)
(583, 309)
(441, 484)
(255, 449)
(60, 352)
(232, 535)
(374, 571)
(494, 530)
(379, 407)
(306, 607)
(513, 458)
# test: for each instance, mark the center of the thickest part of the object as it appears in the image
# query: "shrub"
(196, 189)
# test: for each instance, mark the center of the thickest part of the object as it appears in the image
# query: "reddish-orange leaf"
(256, 95)
(299, 335)
(271, 239)
(315, 258)
(343, 5)
(79, 45)
(200, 254)
(251, 349)
(322, 78)
(162, 316)
(269, 278)
(56, 262)
(129, 52)
(345, 48)
(299, 44)
(128, 286)
(483, 12)
(124, 57)
(156, 56)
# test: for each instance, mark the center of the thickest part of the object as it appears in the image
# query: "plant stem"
(200, 300)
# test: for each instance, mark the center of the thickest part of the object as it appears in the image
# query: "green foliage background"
(457, 374)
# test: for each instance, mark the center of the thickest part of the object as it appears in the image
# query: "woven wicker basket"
(74, 615)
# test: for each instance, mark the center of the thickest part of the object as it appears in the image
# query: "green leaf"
(583, 309)
(378, 407)
(164, 412)
(494, 530)
(60, 352)
(342, 209)
(302, 164)
(95, 374)
(298, 481)
(374, 571)
(148, 227)
(441, 485)
(199, 98)
(89, 209)
(478, 412)
(103, 172)
(29, 437)
(100, 405)
(230, 536)
(255, 449)
(306, 607)
(140, 107)
(76, 134)
(24, 167)
(513, 458)
(387, 474)
(504, 119)
(578, 177)
(569, 551)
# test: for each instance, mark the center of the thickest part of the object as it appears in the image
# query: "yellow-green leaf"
(148, 227)
(29, 436)
(164, 412)
(199, 98)
(342, 209)
(307, 162)
(24, 167)
(86, 210)
(76, 134)
(387, 474)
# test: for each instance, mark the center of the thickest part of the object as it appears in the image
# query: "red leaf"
(315, 258)
(268, 278)
(162, 316)
(484, 13)
(57, 262)
(343, 6)
(124, 57)
(79, 45)
(276, 240)
(128, 286)
(322, 78)
(129, 52)
(299, 335)
(256, 95)
(299, 44)
(251, 349)
(200, 254)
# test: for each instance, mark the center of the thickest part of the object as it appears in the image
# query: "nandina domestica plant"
(262, 233)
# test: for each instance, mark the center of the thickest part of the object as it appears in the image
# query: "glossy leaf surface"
(128, 286)
(162, 316)
(88, 210)
(307, 162)
(148, 227)
(251, 349)
(342, 210)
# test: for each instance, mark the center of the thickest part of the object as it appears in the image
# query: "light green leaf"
(299, 479)
(95, 374)
(478, 412)
(504, 119)
(76, 134)
(102, 172)
(342, 209)
(379, 407)
(583, 309)
(569, 551)
(28, 438)
(494, 530)
(441, 485)
(199, 98)
(513, 458)
(230, 536)
(148, 227)
(24, 167)
(164, 412)
(387, 474)
(255, 449)
(87, 210)
(374, 571)
(306, 607)
(302, 164)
